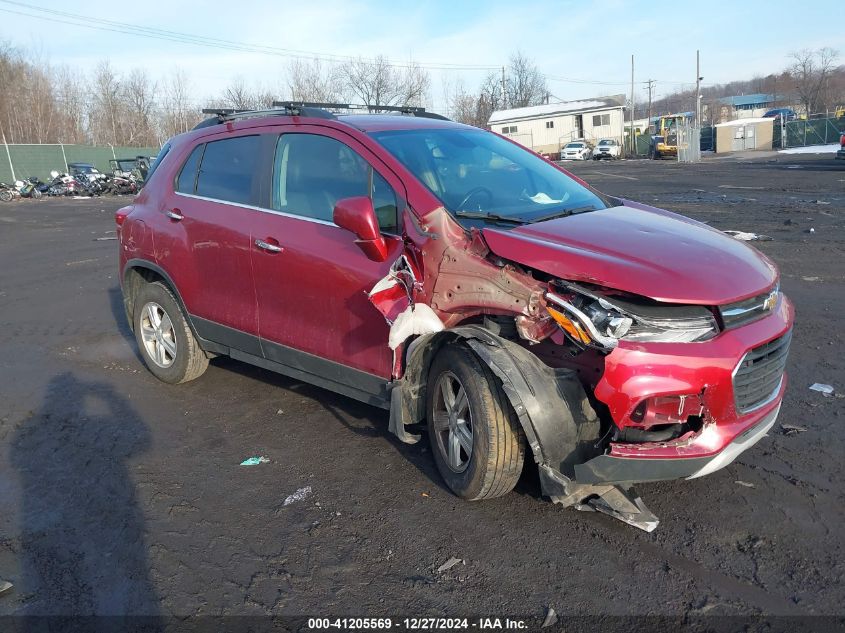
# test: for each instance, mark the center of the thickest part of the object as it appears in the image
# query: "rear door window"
(228, 170)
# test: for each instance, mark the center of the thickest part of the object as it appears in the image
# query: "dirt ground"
(120, 494)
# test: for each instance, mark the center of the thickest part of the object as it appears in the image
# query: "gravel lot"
(120, 494)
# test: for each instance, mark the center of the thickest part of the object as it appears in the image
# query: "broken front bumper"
(607, 469)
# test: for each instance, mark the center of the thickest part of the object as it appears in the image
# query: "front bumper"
(607, 469)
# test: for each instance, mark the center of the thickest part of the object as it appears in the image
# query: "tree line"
(48, 104)
(812, 80)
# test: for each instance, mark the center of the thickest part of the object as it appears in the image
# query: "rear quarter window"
(187, 180)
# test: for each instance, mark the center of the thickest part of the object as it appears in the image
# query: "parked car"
(841, 152)
(576, 150)
(458, 280)
(785, 114)
(607, 148)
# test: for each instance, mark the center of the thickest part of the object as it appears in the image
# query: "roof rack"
(309, 109)
(354, 107)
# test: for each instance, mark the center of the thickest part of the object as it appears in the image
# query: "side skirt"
(293, 363)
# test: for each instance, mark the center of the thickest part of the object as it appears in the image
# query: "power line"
(74, 19)
(62, 17)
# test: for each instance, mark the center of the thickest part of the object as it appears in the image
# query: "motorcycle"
(7, 192)
(62, 185)
(121, 185)
(27, 188)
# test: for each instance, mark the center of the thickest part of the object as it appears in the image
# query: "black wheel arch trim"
(559, 424)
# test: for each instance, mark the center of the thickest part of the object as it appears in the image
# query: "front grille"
(758, 376)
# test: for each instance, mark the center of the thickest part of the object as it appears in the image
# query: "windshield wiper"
(478, 215)
(565, 213)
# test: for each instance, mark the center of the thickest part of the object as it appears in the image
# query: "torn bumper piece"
(607, 469)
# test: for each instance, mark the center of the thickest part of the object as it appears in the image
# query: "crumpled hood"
(643, 250)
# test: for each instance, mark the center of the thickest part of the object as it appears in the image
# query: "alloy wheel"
(158, 335)
(452, 422)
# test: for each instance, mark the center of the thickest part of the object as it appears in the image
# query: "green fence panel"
(643, 143)
(804, 132)
(40, 160)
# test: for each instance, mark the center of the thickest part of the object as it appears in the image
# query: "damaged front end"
(607, 389)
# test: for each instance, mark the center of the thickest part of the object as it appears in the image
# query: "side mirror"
(358, 216)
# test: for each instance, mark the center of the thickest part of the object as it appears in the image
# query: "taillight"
(120, 215)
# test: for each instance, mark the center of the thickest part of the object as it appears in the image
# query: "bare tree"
(526, 85)
(139, 93)
(377, 82)
(104, 118)
(811, 71)
(177, 113)
(309, 81)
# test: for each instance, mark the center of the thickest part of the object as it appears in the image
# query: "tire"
(494, 463)
(172, 354)
(35, 194)
(5, 195)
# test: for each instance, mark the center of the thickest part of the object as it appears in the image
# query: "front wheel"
(5, 195)
(475, 435)
(164, 337)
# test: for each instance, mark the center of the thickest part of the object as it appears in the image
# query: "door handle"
(267, 246)
(174, 214)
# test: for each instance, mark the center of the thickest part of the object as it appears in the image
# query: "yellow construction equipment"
(664, 140)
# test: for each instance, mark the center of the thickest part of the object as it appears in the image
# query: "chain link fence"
(805, 132)
(689, 143)
(19, 161)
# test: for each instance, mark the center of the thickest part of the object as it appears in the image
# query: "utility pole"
(633, 137)
(650, 83)
(697, 91)
(504, 91)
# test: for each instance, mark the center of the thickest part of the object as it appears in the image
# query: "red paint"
(642, 250)
(312, 295)
(358, 216)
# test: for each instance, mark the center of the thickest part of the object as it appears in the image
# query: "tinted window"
(164, 151)
(227, 169)
(186, 182)
(312, 173)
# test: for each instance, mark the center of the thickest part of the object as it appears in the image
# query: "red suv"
(452, 277)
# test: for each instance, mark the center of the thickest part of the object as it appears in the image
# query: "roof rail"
(306, 108)
(373, 109)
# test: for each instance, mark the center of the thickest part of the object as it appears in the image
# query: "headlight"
(594, 320)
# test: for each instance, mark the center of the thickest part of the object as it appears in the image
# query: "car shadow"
(82, 545)
(373, 419)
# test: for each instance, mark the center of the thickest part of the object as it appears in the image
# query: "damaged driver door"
(311, 278)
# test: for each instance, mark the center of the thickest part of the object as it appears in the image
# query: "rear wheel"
(167, 343)
(6, 195)
(475, 435)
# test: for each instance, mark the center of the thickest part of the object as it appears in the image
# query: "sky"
(584, 48)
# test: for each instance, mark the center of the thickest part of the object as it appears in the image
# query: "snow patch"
(812, 149)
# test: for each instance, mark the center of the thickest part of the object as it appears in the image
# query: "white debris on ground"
(825, 389)
(742, 236)
(299, 495)
(812, 149)
(449, 564)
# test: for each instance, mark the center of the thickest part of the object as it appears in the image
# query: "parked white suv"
(607, 148)
(576, 150)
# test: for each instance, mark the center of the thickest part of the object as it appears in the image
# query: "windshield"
(574, 146)
(126, 165)
(605, 142)
(475, 172)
